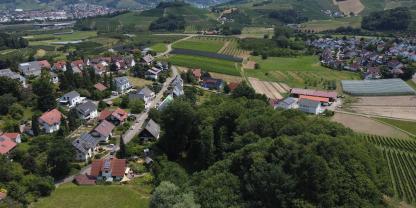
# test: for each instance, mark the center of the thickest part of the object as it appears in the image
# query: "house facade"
(103, 131)
(85, 147)
(145, 94)
(122, 84)
(151, 131)
(50, 121)
(111, 169)
(30, 69)
(71, 99)
(87, 110)
(13, 75)
(310, 106)
(288, 103)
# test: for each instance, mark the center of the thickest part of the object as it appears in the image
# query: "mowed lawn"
(408, 126)
(206, 64)
(208, 45)
(159, 47)
(111, 196)
(297, 72)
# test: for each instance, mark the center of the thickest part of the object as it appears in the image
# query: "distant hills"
(130, 4)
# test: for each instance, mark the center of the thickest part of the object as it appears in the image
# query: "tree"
(9, 86)
(16, 111)
(168, 195)
(59, 158)
(5, 101)
(226, 89)
(73, 119)
(122, 151)
(136, 106)
(44, 89)
(35, 125)
(244, 90)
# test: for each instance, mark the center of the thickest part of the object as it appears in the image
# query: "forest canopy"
(394, 19)
(12, 41)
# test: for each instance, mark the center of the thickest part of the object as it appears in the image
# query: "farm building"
(310, 106)
(330, 95)
(382, 87)
(288, 103)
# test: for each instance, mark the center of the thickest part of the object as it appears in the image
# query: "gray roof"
(177, 84)
(140, 95)
(287, 102)
(153, 128)
(72, 94)
(86, 108)
(30, 68)
(85, 142)
(310, 103)
(121, 80)
(382, 87)
(146, 92)
(10, 74)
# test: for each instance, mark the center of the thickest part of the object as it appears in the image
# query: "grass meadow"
(297, 72)
(206, 64)
(201, 44)
(408, 126)
(159, 47)
(331, 24)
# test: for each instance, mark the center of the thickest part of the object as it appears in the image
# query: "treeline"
(12, 41)
(239, 152)
(288, 16)
(389, 20)
(169, 23)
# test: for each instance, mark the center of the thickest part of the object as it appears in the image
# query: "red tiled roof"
(44, 64)
(197, 73)
(320, 99)
(118, 167)
(84, 180)
(12, 136)
(59, 65)
(104, 114)
(6, 144)
(78, 63)
(100, 87)
(104, 128)
(51, 117)
(233, 85)
(120, 114)
(317, 93)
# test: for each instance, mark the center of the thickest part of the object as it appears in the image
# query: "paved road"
(137, 126)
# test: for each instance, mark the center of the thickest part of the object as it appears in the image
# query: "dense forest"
(394, 19)
(11, 41)
(169, 23)
(288, 16)
(239, 152)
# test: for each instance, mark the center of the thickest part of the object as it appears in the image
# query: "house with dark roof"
(145, 94)
(212, 84)
(288, 103)
(71, 99)
(122, 84)
(310, 106)
(103, 131)
(87, 110)
(177, 86)
(30, 69)
(111, 169)
(50, 121)
(13, 75)
(85, 147)
(150, 131)
(152, 73)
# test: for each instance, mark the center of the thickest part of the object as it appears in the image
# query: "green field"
(51, 38)
(408, 126)
(322, 25)
(201, 44)
(110, 196)
(297, 72)
(206, 64)
(159, 47)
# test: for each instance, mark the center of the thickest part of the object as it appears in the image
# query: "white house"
(310, 106)
(50, 121)
(87, 110)
(71, 99)
(144, 94)
(122, 84)
(152, 73)
(85, 147)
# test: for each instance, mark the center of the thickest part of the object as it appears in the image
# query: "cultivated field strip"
(231, 48)
(272, 90)
(400, 155)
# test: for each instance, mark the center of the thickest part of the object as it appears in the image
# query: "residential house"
(100, 87)
(297, 92)
(99, 69)
(122, 84)
(152, 73)
(373, 73)
(177, 85)
(212, 84)
(148, 59)
(50, 121)
(288, 103)
(118, 116)
(104, 114)
(110, 169)
(13, 75)
(59, 66)
(44, 64)
(103, 131)
(233, 85)
(71, 99)
(6, 145)
(150, 131)
(144, 94)
(87, 110)
(77, 66)
(197, 73)
(15, 137)
(85, 147)
(168, 100)
(310, 106)
(30, 69)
